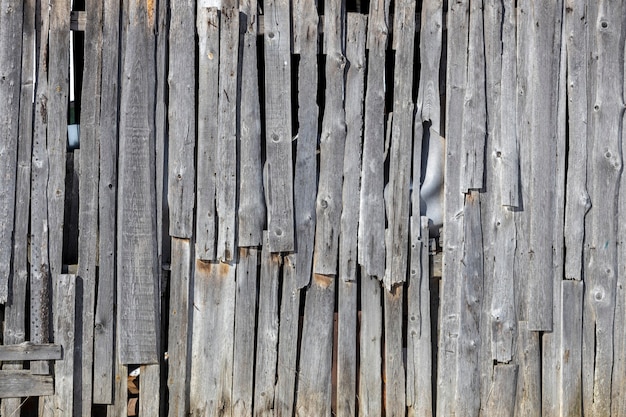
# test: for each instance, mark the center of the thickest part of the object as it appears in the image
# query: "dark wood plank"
(15, 384)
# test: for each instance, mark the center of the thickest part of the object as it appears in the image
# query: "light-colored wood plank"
(528, 398)
(15, 384)
(502, 391)
(149, 390)
(64, 328)
(278, 166)
(570, 356)
(393, 362)
(428, 101)
(28, 351)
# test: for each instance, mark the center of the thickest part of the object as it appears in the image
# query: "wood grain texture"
(570, 391)
(502, 391)
(30, 352)
(15, 384)
(528, 402)
(64, 327)
(428, 101)
(393, 362)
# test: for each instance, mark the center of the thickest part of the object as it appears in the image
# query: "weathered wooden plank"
(284, 394)
(371, 250)
(10, 73)
(278, 166)
(208, 25)
(528, 398)
(428, 101)
(305, 180)
(400, 155)
(120, 390)
(64, 327)
(149, 390)
(179, 326)
(181, 117)
(267, 335)
(332, 143)
(15, 384)
(28, 351)
(104, 351)
(226, 158)
(137, 286)
(419, 394)
(251, 208)
(245, 319)
(571, 348)
(347, 349)
(316, 352)
(370, 344)
(502, 391)
(394, 371)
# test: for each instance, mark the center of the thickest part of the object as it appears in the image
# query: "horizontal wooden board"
(15, 384)
(30, 352)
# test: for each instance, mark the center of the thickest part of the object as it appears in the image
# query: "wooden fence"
(242, 226)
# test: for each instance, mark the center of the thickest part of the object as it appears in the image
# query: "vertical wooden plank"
(502, 391)
(64, 317)
(179, 326)
(570, 356)
(278, 166)
(305, 180)
(181, 118)
(208, 25)
(332, 143)
(371, 251)
(528, 399)
(120, 390)
(394, 371)
(370, 345)
(347, 349)
(10, 72)
(149, 390)
(244, 337)
(251, 208)
(226, 179)
(428, 101)
(104, 350)
(267, 335)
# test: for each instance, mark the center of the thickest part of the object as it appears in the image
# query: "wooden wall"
(250, 233)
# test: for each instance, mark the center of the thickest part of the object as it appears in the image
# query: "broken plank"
(15, 384)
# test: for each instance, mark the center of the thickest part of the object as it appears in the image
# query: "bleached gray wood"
(181, 117)
(15, 384)
(212, 350)
(419, 394)
(251, 207)
(332, 143)
(305, 178)
(502, 391)
(474, 105)
(226, 179)
(371, 250)
(267, 337)
(120, 390)
(528, 398)
(278, 171)
(28, 351)
(245, 330)
(370, 393)
(394, 372)
(208, 25)
(431, 24)
(400, 156)
(347, 349)
(570, 391)
(161, 131)
(64, 327)
(316, 349)
(10, 72)
(286, 372)
(104, 351)
(181, 300)
(577, 201)
(149, 390)
(137, 256)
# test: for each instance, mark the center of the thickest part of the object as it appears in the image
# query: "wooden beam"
(16, 384)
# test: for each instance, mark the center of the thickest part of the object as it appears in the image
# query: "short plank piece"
(278, 174)
(370, 344)
(428, 100)
(332, 143)
(149, 390)
(16, 384)
(305, 181)
(267, 335)
(28, 351)
(245, 319)
(394, 372)
(347, 349)
(208, 70)
(419, 394)
(400, 153)
(502, 391)
(251, 209)
(226, 179)
(571, 319)
(371, 251)
(104, 325)
(316, 352)
(64, 317)
(137, 286)
(528, 401)
(181, 118)
(120, 390)
(179, 328)
(10, 72)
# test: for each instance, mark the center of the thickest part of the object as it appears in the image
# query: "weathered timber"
(332, 143)
(30, 352)
(178, 374)
(428, 101)
(10, 73)
(528, 399)
(15, 384)
(502, 391)
(394, 370)
(149, 390)
(208, 25)
(346, 349)
(251, 206)
(370, 346)
(371, 251)
(267, 325)
(226, 157)
(244, 337)
(120, 389)
(570, 350)
(181, 116)
(278, 171)
(64, 328)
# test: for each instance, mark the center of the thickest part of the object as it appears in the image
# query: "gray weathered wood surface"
(64, 328)
(30, 352)
(24, 384)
